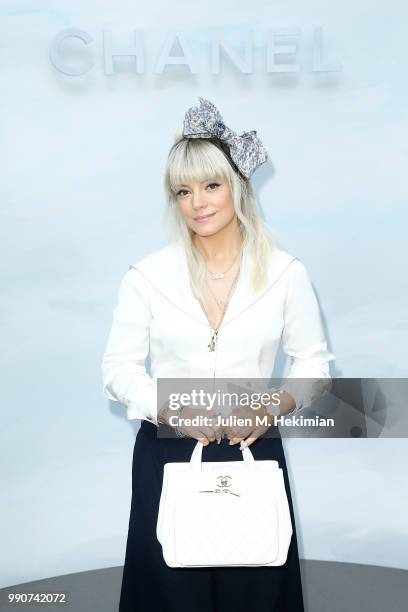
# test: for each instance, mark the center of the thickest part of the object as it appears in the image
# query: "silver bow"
(205, 121)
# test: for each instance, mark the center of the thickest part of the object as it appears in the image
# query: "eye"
(180, 192)
(213, 186)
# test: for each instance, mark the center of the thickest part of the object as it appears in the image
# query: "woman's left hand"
(259, 423)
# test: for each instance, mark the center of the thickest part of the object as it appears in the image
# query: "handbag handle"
(196, 456)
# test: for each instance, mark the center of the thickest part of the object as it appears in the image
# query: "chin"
(208, 229)
(207, 232)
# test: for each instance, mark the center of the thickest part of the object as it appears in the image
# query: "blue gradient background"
(82, 160)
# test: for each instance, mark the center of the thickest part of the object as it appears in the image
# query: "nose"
(198, 200)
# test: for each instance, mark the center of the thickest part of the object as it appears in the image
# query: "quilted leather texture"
(224, 529)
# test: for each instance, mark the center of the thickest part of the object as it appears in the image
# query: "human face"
(207, 207)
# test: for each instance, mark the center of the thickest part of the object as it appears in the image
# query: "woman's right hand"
(205, 431)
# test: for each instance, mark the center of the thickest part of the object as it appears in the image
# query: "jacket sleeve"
(303, 339)
(125, 378)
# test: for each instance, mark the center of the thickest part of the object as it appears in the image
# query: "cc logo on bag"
(224, 481)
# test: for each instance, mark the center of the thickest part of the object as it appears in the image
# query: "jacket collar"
(167, 270)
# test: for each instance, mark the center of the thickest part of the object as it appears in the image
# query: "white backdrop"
(82, 161)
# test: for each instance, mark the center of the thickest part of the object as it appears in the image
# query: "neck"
(221, 247)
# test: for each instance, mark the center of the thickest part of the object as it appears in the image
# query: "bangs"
(196, 159)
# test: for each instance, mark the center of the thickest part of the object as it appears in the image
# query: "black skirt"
(148, 583)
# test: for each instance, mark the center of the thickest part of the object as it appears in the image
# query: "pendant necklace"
(214, 334)
(218, 275)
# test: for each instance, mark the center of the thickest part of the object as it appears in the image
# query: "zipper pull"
(213, 339)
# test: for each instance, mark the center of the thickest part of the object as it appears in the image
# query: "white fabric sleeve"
(125, 378)
(303, 339)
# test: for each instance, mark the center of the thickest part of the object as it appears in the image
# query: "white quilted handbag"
(224, 513)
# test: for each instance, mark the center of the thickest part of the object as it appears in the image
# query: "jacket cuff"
(306, 390)
(146, 406)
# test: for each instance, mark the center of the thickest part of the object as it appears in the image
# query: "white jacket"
(157, 313)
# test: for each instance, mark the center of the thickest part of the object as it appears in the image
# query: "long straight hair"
(201, 159)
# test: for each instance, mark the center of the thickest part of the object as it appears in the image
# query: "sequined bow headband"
(204, 121)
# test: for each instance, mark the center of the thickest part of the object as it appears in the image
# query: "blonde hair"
(199, 159)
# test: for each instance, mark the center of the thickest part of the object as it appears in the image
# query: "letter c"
(56, 56)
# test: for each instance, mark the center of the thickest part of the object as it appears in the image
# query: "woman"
(215, 302)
